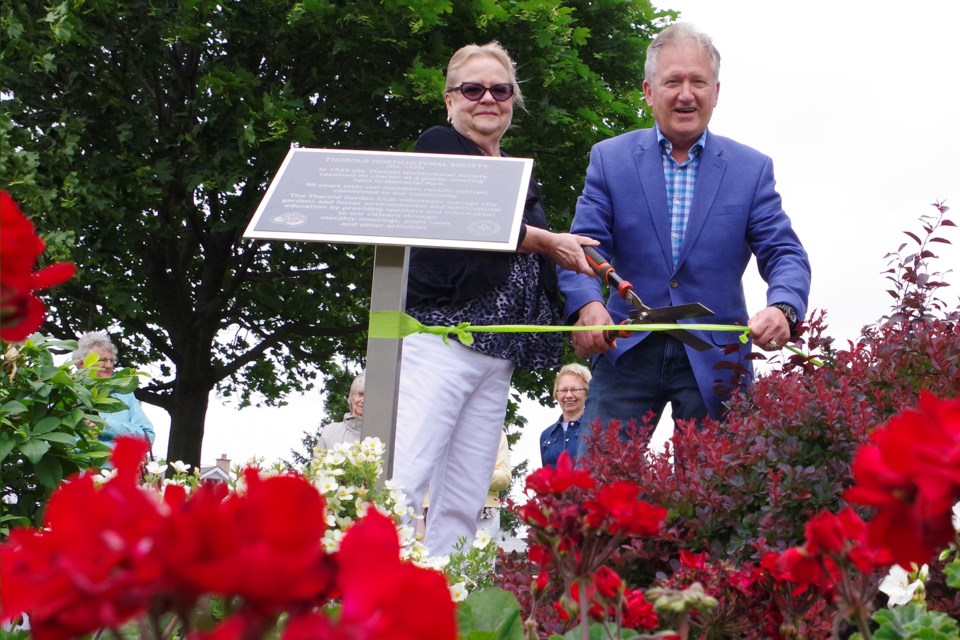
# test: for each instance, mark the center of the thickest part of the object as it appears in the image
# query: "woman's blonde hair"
(575, 369)
(493, 49)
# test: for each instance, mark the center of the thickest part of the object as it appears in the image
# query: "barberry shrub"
(748, 485)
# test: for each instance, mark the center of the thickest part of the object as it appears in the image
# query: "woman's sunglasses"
(474, 91)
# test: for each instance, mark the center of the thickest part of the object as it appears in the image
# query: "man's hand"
(588, 343)
(769, 329)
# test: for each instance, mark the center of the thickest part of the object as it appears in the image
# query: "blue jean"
(642, 381)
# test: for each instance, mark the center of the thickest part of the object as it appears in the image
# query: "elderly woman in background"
(131, 421)
(570, 389)
(452, 401)
(351, 429)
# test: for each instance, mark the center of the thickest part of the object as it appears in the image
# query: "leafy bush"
(48, 423)
(748, 485)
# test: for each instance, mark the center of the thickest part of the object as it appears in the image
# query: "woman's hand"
(563, 248)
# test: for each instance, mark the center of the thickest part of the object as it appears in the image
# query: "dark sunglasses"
(474, 91)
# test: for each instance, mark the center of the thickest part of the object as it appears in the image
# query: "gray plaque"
(393, 198)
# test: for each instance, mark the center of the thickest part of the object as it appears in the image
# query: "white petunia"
(898, 587)
(956, 516)
(458, 592)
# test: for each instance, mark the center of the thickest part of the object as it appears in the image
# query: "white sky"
(858, 104)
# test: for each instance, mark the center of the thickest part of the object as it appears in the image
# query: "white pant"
(450, 414)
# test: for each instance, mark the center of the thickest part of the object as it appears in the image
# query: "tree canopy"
(141, 136)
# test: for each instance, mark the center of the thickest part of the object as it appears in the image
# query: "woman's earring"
(449, 120)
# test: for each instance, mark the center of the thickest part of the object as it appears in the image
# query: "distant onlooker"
(131, 421)
(570, 389)
(350, 430)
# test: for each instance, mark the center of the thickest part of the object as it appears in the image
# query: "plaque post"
(388, 292)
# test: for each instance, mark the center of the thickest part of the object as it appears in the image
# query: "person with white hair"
(350, 430)
(131, 421)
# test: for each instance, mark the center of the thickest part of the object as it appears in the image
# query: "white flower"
(482, 539)
(898, 587)
(956, 516)
(179, 466)
(105, 475)
(458, 592)
(326, 484)
(155, 468)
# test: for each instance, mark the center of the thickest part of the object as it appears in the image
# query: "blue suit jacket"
(736, 213)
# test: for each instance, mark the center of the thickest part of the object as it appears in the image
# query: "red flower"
(618, 510)
(560, 478)
(94, 564)
(385, 598)
(608, 583)
(910, 473)
(799, 566)
(637, 612)
(263, 544)
(21, 312)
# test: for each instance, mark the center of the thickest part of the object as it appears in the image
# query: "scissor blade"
(690, 340)
(670, 314)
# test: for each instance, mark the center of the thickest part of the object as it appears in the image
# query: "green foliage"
(912, 621)
(49, 424)
(490, 614)
(150, 132)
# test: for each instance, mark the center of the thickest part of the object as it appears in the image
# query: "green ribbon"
(397, 325)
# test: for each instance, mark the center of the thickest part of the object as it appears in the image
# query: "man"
(679, 211)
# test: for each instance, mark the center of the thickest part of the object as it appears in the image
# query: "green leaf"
(34, 450)
(45, 425)
(62, 438)
(952, 571)
(12, 408)
(6, 446)
(49, 471)
(492, 614)
(912, 621)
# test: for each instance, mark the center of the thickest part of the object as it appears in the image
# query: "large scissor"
(642, 314)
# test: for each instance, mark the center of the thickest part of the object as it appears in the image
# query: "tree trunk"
(187, 417)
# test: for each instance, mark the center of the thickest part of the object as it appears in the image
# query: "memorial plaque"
(394, 198)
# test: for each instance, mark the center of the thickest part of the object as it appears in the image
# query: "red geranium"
(638, 613)
(21, 312)
(618, 510)
(94, 565)
(558, 479)
(910, 473)
(263, 544)
(385, 598)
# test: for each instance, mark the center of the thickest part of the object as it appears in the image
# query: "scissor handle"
(606, 272)
(609, 335)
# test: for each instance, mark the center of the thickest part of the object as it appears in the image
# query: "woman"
(131, 421)
(453, 399)
(350, 430)
(570, 390)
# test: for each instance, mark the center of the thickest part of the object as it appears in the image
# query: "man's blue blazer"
(736, 213)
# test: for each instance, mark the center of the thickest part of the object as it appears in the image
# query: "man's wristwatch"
(791, 315)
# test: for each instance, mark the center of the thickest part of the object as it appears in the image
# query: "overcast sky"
(857, 103)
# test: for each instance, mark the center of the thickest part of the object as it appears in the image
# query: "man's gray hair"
(674, 34)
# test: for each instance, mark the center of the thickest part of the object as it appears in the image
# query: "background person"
(131, 421)
(679, 211)
(350, 430)
(453, 399)
(570, 389)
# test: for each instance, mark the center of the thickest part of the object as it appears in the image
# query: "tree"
(150, 131)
